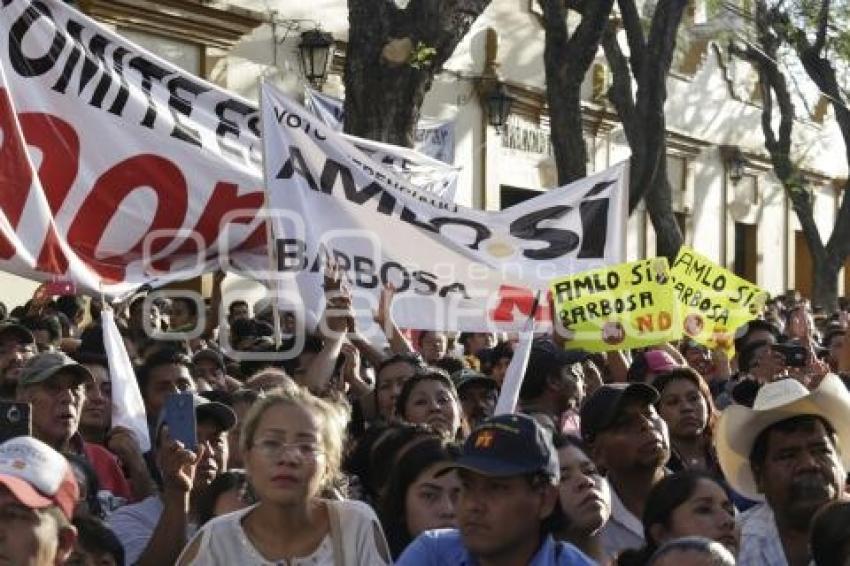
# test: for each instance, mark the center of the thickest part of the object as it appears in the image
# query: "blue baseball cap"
(509, 445)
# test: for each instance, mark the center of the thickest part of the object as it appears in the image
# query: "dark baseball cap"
(209, 354)
(466, 377)
(601, 409)
(43, 366)
(509, 445)
(20, 333)
(546, 360)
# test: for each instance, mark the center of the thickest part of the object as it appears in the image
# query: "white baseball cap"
(37, 475)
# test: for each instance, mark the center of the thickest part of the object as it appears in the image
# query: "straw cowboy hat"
(739, 426)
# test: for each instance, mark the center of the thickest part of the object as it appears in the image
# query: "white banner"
(434, 138)
(453, 267)
(119, 169)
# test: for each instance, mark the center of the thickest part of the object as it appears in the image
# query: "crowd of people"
(360, 452)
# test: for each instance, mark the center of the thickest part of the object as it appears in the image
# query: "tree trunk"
(825, 282)
(773, 27)
(567, 60)
(383, 89)
(642, 114)
(668, 236)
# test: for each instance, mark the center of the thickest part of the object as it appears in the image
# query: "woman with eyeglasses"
(292, 445)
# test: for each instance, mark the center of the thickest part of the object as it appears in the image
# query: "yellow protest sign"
(713, 301)
(618, 307)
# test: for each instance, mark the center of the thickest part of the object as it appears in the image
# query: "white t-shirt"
(223, 541)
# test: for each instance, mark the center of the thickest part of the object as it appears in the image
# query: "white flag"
(128, 409)
(509, 395)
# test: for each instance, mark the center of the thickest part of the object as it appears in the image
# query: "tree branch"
(588, 34)
(823, 19)
(620, 92)
(567, 60)
(634, 34)
(652, 93)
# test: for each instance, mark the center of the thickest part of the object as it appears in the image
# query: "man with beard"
(16, 347)
(628, 442)
(790, 450)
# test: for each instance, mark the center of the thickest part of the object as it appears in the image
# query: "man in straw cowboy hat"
(791, 451)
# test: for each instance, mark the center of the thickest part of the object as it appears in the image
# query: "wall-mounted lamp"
(735, 162)
(499, 104)
(315, 51)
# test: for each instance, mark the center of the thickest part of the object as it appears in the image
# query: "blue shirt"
(445, 546)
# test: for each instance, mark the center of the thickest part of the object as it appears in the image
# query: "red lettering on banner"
(59, 145)
(103, 201)
(520, 299)
(15, 173)
(223, 200)
(60, 148)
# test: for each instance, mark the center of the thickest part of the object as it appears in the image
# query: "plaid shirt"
(760, 541)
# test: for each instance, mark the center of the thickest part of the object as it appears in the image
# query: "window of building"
(746, 251)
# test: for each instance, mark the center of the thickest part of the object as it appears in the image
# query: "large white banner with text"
(453, 267)
(119, 169)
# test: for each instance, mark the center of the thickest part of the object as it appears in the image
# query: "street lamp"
(315, 49)
(499, 104)
(735, 164)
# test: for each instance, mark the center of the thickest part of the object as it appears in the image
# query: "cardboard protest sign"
(712, 301)
(619, 307)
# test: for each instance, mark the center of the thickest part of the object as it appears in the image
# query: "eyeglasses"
(275, 449)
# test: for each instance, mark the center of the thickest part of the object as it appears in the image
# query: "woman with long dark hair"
(584, 497)
(420, 495)
(430, 398)
(686, 405)
(687, 503)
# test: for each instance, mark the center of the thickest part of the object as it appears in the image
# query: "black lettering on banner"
(594, 228)
(405, 276)
(97, 47)
(562, 292)
(598, 188)
(74, 30)
(297, 164)
(409, 216)
(481, 231)
(364, 273)
(291, 254)
(227, 126)
(149, 70)
(123, 95)
(333, 171)
(560, 241)
(428, 280)
(24, 65)
(180, 105)
(386, 204)
(605, 307)
(455, 288)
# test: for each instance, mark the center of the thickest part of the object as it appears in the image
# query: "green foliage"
(422, 56)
